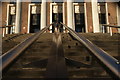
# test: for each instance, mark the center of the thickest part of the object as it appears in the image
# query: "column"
(95, 17)
(43, 14)
(118, 17)
(70, 14)
(18, 17)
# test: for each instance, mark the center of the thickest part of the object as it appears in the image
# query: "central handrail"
(110, 62)
(12, 54)
(58, 69)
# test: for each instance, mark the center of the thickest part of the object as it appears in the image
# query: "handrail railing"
(110, 62)
(114, 26)
(58, 69)
(4, 29)
(7, 26)
(110, 28)
(12, 54)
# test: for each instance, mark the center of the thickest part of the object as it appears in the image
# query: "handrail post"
(63, 29)
(110, 31)
(13, 28)
(3, 32)
(103, 28)
(6, 30)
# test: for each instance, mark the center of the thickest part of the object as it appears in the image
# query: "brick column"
(118, 16)
(89, 16)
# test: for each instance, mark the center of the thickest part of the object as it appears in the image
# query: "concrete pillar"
(70, 14)
(18, 17)
(118, 17)
(95, 17)
(43, 14)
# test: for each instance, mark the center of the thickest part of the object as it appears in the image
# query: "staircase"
(32, 63)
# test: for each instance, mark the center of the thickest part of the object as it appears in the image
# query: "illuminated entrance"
(57, 15)
(35, 15)
(79, 17)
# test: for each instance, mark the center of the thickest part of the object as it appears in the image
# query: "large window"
(102, 15)
(79, 17)
(11, 17)
(57, 15)
(35, 18)
(12, 14)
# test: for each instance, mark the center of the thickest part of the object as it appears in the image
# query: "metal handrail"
(113, 26)
(58, 69)
(4, 28)
(12, 54)
(7, 26)
(110, 62)
(110, 28)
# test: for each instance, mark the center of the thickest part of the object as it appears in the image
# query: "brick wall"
(4, 12)
(24, 21)
(65, 8)
(89, 16)
(48, 13)
(112, 15)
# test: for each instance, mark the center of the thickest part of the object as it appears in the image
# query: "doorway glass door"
(35, 18)
(79, 17)
(57, 16)
(12, 16)
(102, 15)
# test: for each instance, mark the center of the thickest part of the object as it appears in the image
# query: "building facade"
(86, 17)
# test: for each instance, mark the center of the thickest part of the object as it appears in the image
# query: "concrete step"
(11, 40)
(26, 73)
(106, 42)
(87, 72)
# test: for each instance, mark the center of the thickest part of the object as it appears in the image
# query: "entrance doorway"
(35, 16)
(11, 17)
(79, 17)
(57, 15)
(102, 15)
